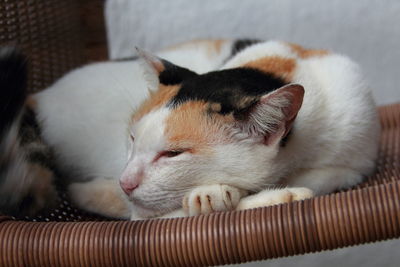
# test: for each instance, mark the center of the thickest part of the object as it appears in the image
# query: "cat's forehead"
(195, 111)
(195, 124)
(187, 126)
(231, 89)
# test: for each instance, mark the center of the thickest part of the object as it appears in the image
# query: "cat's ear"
(158, 70)
(273, 115)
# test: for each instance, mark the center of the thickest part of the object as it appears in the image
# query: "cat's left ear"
(158, 70)
(272, 117)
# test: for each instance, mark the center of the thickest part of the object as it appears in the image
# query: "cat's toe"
(300, 193)
(231, 196)
(211, 198)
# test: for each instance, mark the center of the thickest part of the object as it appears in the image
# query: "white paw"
(209, 198)
(274, 197)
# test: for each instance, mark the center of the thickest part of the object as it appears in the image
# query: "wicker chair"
(60, 35)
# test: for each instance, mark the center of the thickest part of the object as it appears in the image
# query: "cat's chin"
(144, 208)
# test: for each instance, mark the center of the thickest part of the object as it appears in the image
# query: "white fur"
(274, 197)
(257, 51)
(197, 56)
(149, 141)
(85, 114)
(334, 141)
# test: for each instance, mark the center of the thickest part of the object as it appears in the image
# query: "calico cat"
(227, 125)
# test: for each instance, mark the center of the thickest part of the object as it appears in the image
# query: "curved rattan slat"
(366, 214)
(328, 222)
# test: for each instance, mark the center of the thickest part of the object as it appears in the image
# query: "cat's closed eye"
(171, 153)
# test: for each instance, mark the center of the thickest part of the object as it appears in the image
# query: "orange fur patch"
(307, 53)
(213, 47)
(102, 196)
(192, 126)
(280, 66)
(44, 182)
(156, 100)
(216, 45)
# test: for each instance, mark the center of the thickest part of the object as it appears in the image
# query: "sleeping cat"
(227, 125)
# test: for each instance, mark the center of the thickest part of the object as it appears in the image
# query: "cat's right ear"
(272, 117)
(158, 70)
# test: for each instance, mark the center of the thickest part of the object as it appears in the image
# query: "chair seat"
(370, 212)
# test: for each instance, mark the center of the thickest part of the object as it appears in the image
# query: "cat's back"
(337, 123)
(84, 114)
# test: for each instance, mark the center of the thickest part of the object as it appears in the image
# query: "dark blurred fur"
(13, 76)
(26, 178)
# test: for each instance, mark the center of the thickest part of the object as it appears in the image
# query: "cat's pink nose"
(128, 187)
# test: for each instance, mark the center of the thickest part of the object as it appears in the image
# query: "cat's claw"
(209, 198)
(274, 197)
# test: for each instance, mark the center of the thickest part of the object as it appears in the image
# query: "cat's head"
(220, 127)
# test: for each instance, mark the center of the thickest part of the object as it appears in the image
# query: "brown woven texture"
(48, 31)
(56, 36)
(366, 214)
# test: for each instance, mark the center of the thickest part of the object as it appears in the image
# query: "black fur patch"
(29, 130)
(174, 74)
(31, 141)
(234, 89)
(241, 44)
(285, 139)
(13, 79)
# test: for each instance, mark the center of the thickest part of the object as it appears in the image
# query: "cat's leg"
(325, 180)
(273, 197)
(209, 198)
(101, 196)
(302, 185)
